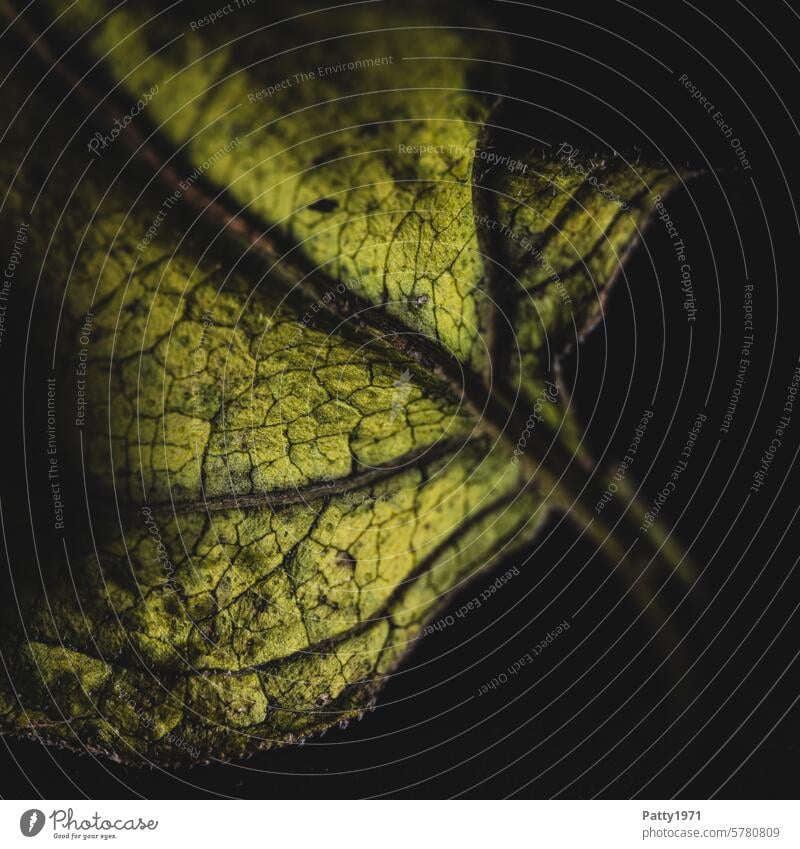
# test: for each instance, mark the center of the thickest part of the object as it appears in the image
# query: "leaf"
(289, 457)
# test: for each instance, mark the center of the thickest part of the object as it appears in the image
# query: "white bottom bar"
(403, 824)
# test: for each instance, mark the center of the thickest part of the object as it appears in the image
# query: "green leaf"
(290, 458)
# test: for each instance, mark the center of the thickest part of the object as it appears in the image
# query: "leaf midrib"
(549, 466)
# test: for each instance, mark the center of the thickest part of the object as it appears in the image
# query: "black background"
(604, 710)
